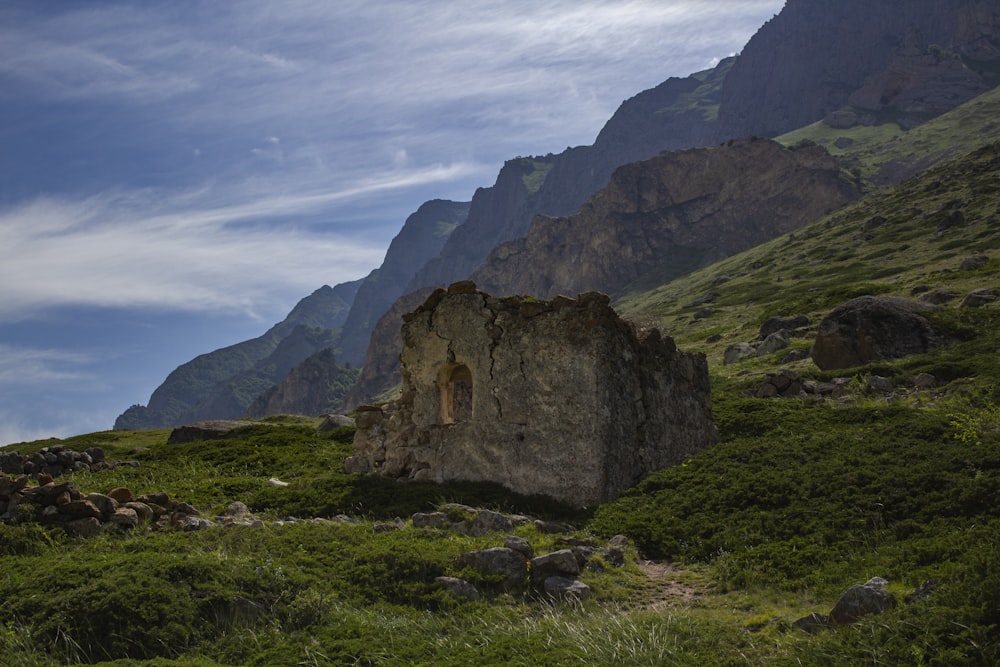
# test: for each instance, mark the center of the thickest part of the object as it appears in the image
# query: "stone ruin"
(561, 398)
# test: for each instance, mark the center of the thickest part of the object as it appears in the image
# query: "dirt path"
(666, 587)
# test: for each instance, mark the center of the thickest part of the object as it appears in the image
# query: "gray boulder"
(978, 298)
(562, 563)
(872, 328)
(776, 324)
(737, 351)
(460, 588)
(778, 340)
(564, 588)
(510, 565)
(859, 601)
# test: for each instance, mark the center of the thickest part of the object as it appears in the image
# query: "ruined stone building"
(556, 397)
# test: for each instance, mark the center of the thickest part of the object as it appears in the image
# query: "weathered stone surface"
(924, 381)
(938, 297)
(121, 495)
(143, 511)
(520, 545)
(872, 328)
(779, 340)
(80, 509)
(978, 298)
(559, 398)
(786, 383)
(105, 504)
(460, 588)
(561, 563)
(879, 385)
(738, 351)
(510, 565)
(565, 588)
(777, 323)
(85, 527)
(333, 422)
(125, 517)
(859, 601)
(973, 263)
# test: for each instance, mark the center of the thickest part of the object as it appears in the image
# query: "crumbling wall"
(555, 397)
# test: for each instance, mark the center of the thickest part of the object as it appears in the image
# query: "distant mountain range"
(871, 70)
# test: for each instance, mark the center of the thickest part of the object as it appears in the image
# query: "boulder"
(973, 263)
(564, 588)
(206, 430)
(738, 351)
(85, 527)
(561, 563)
(333, 422)
(938, 297)
(776, 324)
(460, 588)
(858, 601)
(978, 298)
(872, 328)
(508, 564)
(520, 545)
(778, 340)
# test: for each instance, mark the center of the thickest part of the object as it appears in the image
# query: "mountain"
(314, 387)
(423, 235)
(221, 384)
(812, 62)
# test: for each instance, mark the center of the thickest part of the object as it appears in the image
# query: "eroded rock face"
(872, 328)
(554, 397)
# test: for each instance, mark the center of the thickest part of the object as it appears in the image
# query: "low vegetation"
(800, 499)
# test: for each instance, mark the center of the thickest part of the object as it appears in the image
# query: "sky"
(174, 177)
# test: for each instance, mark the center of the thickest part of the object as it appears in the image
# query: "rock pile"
(58, 460)
(84, 515)
(775, 334)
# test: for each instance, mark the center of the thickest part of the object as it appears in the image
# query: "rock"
(785, 382)
(121, 495)
(96, 454)
(491, 383)
(85, 527)
(520, 545)
(274, 481)
(510, 565)
(333, 422)
(125, 517)
(859, 601)
(872, 328)
(708, 297)
(551, 527)
(103, 503)
(487, 521)
(776, 324)
(938, 297)
(812, 623)
(562, 563)
(879, 385)
(143, 511)
(11, 463)
(78, 509)
(188, 523)
(779, 340)
(973, 263)
(738, 351)
(978, 298)
(924, 381)
(430, 520)
(564, 588)
(185, 508)
(237, 510)
(460, 588)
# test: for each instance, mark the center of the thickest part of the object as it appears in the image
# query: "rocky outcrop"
(314, 387)
(872, 328)
(808, 60)
(670, 215)
(221, 384)
(86, 515)
(421, 239)
(208, 430)
(558, 398)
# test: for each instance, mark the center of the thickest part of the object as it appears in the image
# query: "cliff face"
(807, 61)
(314, 387)
(423, 235)
(221, 384)
(688, 207)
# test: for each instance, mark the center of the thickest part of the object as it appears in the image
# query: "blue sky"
(174, 177)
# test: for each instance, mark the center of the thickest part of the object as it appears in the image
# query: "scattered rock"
(333, 422)
(922, 592)
(978, 298)
(706, 298)
(510, 565)
(738, 351)
(274, 481)
(812, 623)
(561, 563)
(924, 381)
(785, 383)
(776, 324)
(973, 263)
(564, 588)
(879, 385)
(520, 545)
(938, 297)
(460, 588)
(859, 601)
(872, 328)
(778, 340)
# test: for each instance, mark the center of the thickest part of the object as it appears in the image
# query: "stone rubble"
(58, 460)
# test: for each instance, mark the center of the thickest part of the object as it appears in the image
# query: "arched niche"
(455, 383)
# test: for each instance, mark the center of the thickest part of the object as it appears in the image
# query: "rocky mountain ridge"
(852, 62)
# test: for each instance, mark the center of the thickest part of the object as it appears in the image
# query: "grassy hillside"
(800, 499)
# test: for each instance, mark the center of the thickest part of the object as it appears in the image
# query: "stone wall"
(555, 397)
